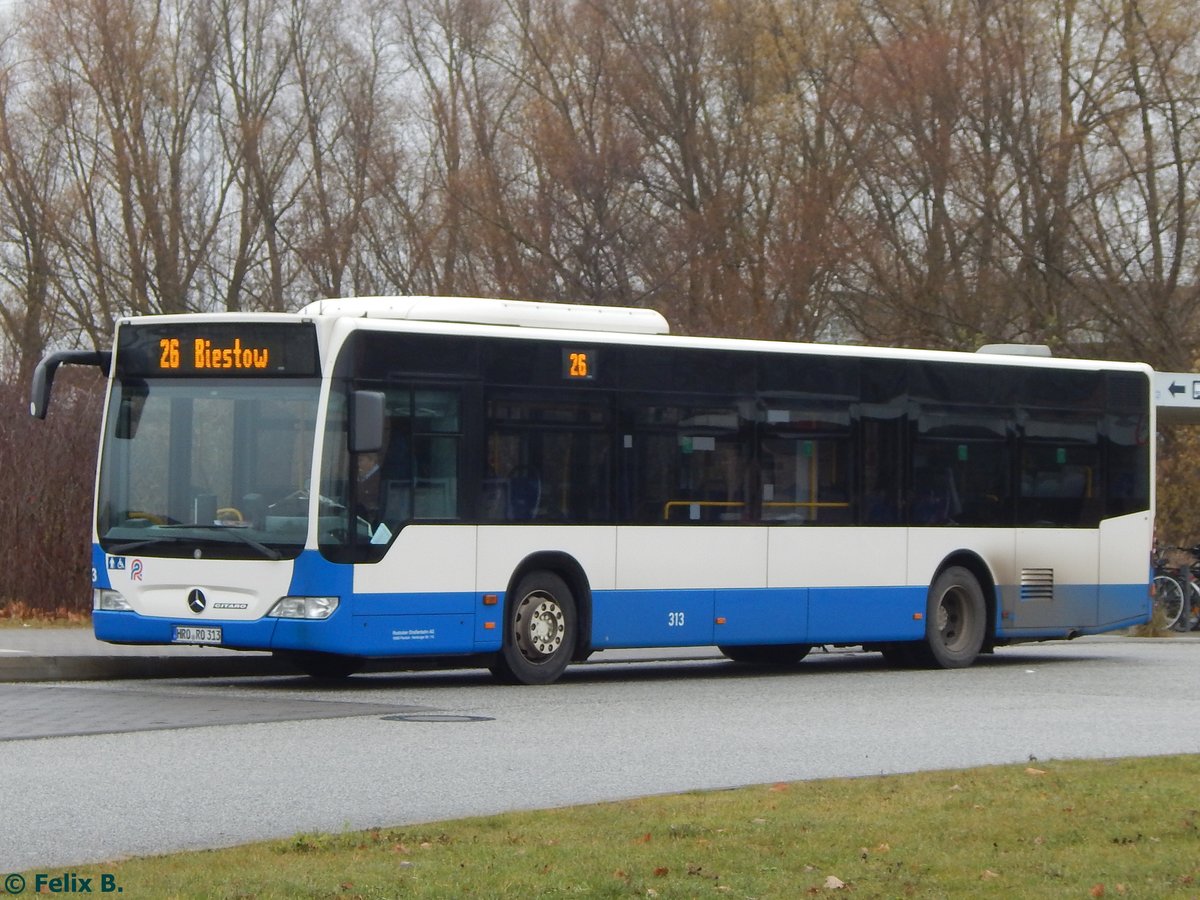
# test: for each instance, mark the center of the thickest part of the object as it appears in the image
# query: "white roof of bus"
(427, 313)
(484, 311)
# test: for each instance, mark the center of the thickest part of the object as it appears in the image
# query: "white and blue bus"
(446, 480)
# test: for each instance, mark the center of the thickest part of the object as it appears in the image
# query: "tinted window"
(379, 356)
(548, 458)
(805, 462)
(687, 463)
(961, 466)
(1059, 470)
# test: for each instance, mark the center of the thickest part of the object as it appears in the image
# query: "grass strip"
(1095, 828)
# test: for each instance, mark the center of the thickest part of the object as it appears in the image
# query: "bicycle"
(1177, 599)
(1189, 618)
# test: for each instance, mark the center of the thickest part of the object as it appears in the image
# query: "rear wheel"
(767, 654)
(540, 631)
(955, 620)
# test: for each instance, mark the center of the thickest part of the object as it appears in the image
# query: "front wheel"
(539, 633)
(955, 620)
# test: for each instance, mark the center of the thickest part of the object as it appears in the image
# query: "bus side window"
(547, 458)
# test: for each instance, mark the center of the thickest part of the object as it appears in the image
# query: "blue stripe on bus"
(100, 577)
(420, 624)
(864, 614)
(1075, 609)
(680, 618)
(315, 576)
(1124, 605)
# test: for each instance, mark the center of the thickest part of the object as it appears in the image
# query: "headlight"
(304, 607)
(109, 600)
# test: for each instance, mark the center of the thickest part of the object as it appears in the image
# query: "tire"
(767, 654)
(1168, 600)
(540, 630)
(324, 666)
(955, 621)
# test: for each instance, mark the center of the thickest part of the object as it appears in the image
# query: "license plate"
(196, 634)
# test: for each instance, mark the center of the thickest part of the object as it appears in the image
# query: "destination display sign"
(579, 364)
(221, 349)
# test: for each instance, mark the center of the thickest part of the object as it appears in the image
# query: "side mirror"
(366, 421)
(43, 375)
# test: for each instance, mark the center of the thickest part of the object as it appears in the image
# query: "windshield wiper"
(121, 549)
(268, 552)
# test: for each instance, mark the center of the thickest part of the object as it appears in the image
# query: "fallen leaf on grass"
(1097, 890)
(833, 883)
(661, 872)
(1030, 770)
(988, 875)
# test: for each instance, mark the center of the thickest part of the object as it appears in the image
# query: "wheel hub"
(949, 614)
(541, 627)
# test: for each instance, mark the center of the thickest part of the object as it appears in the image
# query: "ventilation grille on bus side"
(1037, 584)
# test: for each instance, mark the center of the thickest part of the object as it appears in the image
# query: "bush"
(49, 470)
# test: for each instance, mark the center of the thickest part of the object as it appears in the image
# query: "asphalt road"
(95, 771)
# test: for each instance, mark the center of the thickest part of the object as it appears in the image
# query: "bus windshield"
(214, 468)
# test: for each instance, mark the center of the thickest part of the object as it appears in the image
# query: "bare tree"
(343, 74)
(30, 161)
(462, 101)
(567, 208)
(260, 135)
(1139, 221)
(131, 77)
